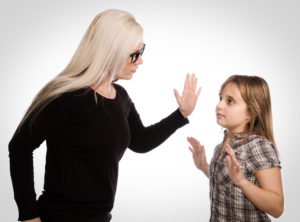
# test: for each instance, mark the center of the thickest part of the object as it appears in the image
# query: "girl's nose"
(219, 105)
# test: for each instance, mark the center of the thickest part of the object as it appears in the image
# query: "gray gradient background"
(211, 38)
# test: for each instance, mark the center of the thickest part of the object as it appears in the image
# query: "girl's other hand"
(234, 168)
(199, 155)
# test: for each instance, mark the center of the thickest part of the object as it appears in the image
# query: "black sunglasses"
(135, 55)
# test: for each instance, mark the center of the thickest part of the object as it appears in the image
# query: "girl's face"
(134, 60)
(231, 111)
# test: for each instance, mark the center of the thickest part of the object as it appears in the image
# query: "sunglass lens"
(135, 57)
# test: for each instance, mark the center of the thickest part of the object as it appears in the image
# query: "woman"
(88, 121)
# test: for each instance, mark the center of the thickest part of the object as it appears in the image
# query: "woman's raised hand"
(187, 101)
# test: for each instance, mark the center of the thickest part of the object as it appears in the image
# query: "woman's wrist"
(185, 115)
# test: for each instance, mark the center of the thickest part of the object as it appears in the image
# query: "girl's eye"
(229, 101)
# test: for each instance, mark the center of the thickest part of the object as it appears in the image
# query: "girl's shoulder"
(262, 153)
(253, 144)
(257, 139)
(260, 145)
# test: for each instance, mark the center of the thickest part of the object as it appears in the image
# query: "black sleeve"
(144, 139)
(24, 141)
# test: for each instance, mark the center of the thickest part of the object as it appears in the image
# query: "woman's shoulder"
(121, 91)
(80, 96)
(75, 94)
(119, 88)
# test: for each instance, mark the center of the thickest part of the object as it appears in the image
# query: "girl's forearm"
(205, 170)
(267, 201)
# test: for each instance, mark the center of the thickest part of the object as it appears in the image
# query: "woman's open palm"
(187, 101)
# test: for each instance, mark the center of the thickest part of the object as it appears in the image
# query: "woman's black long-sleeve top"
(85, 141)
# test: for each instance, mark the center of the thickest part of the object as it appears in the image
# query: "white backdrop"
(214, 39)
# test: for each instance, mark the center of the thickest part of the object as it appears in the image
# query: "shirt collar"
(237, 140)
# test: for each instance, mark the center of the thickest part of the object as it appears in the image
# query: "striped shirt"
(228, 203)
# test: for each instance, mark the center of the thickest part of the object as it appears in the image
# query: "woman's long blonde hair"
(102, 52)
(255, 92)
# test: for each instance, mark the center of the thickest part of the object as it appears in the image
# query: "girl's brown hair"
(256, 94)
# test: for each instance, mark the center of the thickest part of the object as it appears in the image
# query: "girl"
(244, 173)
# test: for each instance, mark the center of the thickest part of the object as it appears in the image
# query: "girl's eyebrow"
(227, 96)
(232, 99)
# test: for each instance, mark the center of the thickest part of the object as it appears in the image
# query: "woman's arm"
(25, 140)
(268, 196)
(144, 139)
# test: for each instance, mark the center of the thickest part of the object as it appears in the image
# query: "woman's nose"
(140, 60)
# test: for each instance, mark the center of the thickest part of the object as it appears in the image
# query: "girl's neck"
(231, 134)
(228, 137)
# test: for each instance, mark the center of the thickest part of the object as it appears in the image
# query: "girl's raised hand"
(234, 168)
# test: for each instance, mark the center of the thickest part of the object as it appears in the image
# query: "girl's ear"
(248, 117)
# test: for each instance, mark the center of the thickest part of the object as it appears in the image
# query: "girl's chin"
(220, 123)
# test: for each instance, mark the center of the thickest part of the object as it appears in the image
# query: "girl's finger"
(229, 162)
(231, 154)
